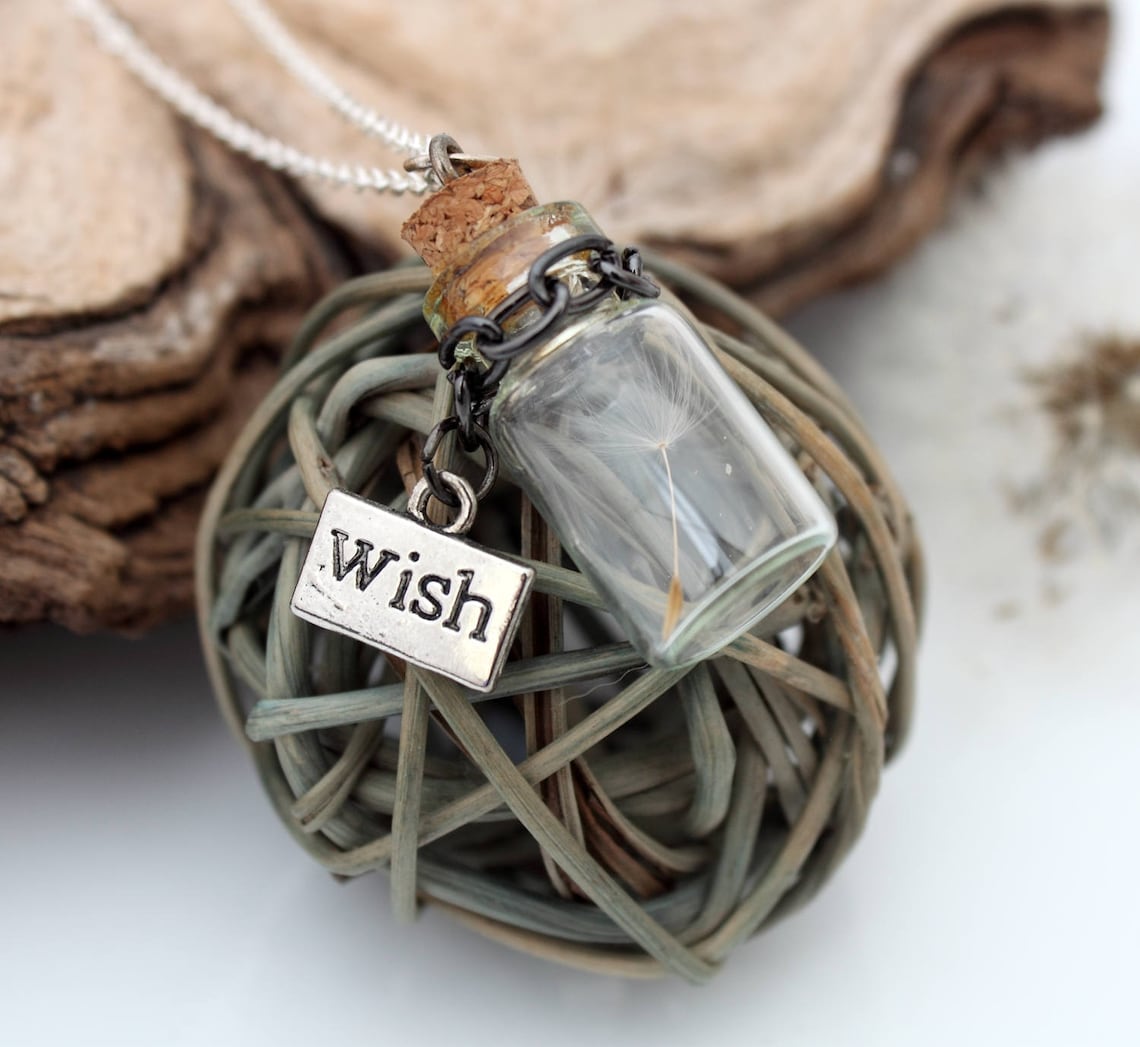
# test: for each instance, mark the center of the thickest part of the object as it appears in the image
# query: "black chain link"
(476, 385)
(479, 439)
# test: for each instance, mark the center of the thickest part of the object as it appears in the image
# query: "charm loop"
(440, 150)
(461, 490)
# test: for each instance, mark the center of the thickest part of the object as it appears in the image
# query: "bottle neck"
(484, 272)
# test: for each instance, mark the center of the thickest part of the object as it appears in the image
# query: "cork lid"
(465, 208)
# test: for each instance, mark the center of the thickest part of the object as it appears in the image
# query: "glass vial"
(664, 484)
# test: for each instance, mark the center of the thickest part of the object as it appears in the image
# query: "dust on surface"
(1089, 492)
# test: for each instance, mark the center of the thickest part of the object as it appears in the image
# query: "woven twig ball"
(590, 809)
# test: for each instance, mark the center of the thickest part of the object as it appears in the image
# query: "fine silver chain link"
(275, 38)
(119, 39)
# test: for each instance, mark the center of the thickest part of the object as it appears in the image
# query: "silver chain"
(276, 39)
(119, 39)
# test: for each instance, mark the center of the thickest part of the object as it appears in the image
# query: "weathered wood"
(787, 148)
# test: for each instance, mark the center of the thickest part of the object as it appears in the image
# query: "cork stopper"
(464, 209)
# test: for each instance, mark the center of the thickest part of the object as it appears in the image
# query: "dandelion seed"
(662, 403)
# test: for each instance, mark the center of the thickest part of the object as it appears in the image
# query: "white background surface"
(148, 895)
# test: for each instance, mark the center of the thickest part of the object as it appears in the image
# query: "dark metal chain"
(476, 385)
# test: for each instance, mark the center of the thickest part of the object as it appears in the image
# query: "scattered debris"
(1090, 491)
(1007, 610)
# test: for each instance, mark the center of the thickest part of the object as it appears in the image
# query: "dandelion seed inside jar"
(665, 486)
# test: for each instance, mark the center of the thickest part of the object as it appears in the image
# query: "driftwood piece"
(786, 148)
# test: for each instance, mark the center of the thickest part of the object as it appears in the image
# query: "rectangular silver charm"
(432, 598)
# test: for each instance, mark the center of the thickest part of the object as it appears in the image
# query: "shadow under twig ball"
(590, 810)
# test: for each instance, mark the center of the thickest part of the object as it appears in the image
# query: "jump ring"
(465, 496)
(440, 149)
(438, 488)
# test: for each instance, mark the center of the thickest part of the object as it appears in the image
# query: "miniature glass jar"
(664, 484)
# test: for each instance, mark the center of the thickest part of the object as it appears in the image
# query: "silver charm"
(394, 581)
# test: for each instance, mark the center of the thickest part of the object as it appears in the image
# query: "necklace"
(601, 397)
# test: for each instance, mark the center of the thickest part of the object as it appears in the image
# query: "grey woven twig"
(590, 810)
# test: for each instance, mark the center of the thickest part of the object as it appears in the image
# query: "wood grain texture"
(787, 147)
